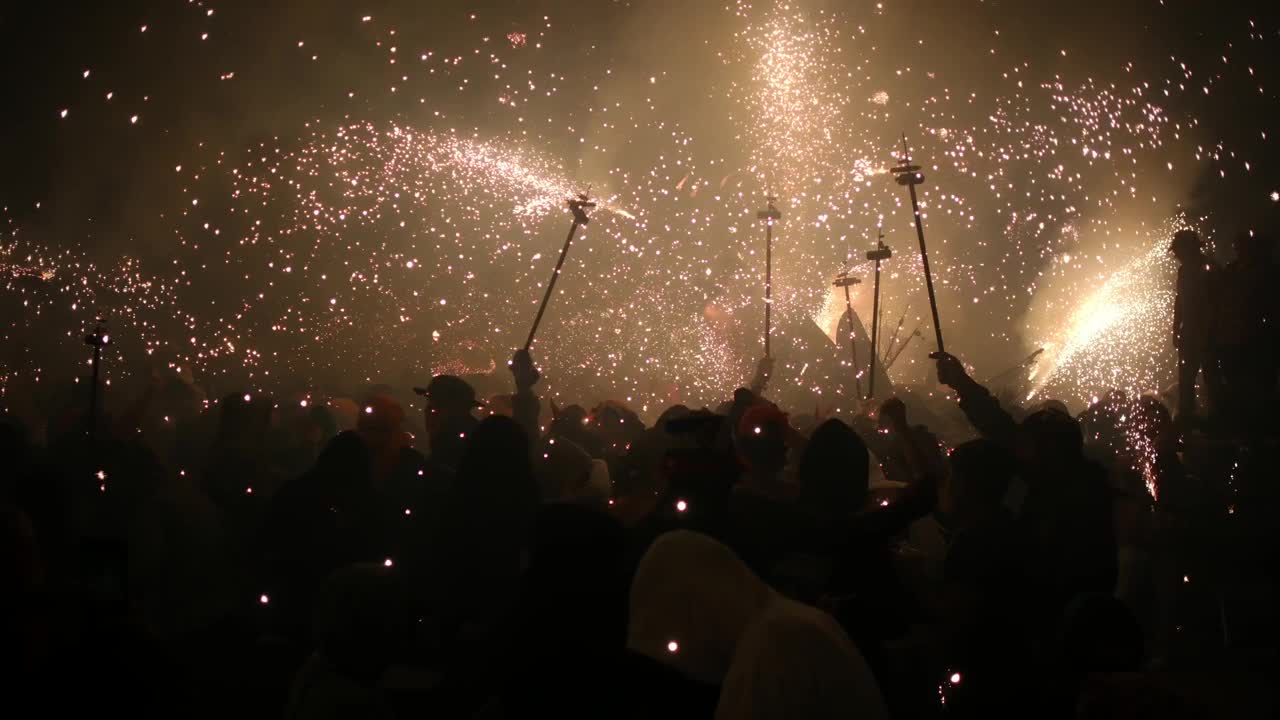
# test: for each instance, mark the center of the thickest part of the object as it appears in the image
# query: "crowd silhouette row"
(311, 558)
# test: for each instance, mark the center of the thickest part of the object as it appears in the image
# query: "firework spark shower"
(259, 193)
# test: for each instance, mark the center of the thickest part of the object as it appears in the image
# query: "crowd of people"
(310, 559)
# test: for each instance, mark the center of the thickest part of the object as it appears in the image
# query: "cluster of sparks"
(382, 244)
(1118, 335)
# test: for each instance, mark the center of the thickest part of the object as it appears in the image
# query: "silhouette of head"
(761, 438)
(344, 463)
(1052, 438)
(979, 478)
(495, 475)
(833, 472)
(672, 413)
(448, 398)
(1186, 245)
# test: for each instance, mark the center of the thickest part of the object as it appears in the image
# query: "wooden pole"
(578, 206)
(769, 215)
(910, 175)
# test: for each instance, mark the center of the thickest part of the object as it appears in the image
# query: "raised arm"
(979, 405)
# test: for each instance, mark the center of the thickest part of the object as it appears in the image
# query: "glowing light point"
(263, 599)
(673, 646)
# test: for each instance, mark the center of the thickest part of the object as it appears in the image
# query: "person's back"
(571, 618)
(984, 569)
(1076, 516)
(318, 522)
(795, 661)
(1067, 513)
(486, 524)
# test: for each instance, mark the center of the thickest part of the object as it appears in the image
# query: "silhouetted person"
(571, 620)
(487, 522)
(1193, 312)
(833, 471)
(979, 605)
(448, 418)
(1066, 508)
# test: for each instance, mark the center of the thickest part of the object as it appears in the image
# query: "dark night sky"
(107, 188)
(45, 46)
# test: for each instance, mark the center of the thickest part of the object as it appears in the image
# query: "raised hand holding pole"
(578, 206)
(910, 175)
(770, 215)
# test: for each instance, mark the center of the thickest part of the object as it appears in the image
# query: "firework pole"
(880, 254)
(910, 175)
(844, 281)
(578, 206)
(770, 215)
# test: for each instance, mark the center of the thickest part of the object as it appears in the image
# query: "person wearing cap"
(448, 418)
(1192, 318)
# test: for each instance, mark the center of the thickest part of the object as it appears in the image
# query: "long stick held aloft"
(880, 254)
(770, 215)
(910, 175)
(578, 206)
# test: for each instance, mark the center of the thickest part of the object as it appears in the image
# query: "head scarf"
(796, 661)
(691, 600)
